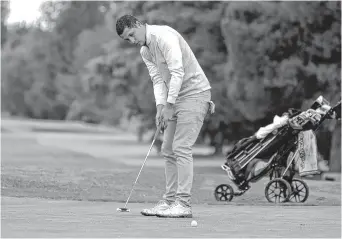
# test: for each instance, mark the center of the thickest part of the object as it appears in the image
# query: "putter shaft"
(148, 153)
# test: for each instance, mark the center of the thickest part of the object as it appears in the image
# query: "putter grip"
(157, 132)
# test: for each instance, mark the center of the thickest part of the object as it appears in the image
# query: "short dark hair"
(126, 21)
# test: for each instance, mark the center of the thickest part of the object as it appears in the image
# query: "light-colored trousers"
(179, 137)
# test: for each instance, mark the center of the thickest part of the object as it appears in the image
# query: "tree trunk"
(335, 151)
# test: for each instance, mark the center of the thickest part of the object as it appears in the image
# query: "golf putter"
(125, 209)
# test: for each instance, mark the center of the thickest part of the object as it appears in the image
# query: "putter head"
(122, 209)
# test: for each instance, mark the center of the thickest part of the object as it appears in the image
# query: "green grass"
(29, 169)
(32, 170)
(3, 130)
(71, 130)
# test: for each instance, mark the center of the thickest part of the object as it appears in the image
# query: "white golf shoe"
(177, 209)
(159, 207)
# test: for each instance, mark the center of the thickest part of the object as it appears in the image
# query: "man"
(183, 97)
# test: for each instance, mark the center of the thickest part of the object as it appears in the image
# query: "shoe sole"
(170, 216)
(147, 214)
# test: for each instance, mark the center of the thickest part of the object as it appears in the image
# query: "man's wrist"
(160, 107)
(169, 105)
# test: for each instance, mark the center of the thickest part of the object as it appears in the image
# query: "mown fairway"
(70, 183)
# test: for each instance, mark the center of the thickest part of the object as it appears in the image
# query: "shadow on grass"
(3, 130)
(70, 130)
(215, 158)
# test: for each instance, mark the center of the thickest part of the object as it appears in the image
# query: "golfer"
(183, 98)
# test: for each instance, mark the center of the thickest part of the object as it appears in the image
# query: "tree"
(32, 84)
(5, 10)
(261, 58)
(292, 51)
(68, 20)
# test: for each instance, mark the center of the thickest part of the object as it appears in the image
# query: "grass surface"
(58, 166)
(70, 219)
(32, 170)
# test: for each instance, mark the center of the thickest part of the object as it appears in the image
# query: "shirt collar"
(148, 34)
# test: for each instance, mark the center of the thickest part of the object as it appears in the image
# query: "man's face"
(135, 35)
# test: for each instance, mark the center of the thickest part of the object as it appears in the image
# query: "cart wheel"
(300, 191)
(278, 191)
(224, 192)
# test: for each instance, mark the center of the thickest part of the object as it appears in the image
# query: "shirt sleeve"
(171, 50)
(159, 88)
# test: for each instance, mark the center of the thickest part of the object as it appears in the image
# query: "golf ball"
(194, 223)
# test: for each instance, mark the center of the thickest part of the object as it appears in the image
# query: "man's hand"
(159, 113)
(166, 115)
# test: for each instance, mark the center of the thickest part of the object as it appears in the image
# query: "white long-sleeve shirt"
(174, 69)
